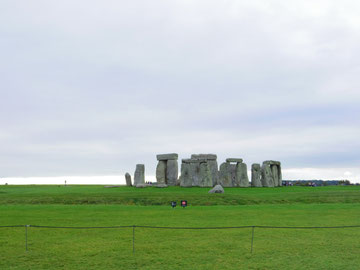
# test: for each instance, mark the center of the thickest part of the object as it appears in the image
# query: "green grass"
(157, 196)
(179, 249)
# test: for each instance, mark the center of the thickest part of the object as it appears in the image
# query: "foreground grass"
(195, 196)
(180, 249)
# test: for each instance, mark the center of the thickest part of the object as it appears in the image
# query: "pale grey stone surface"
(194, 171)
(275, 174)
(213, 165)
(266, 175)
(139, 175)
(242, 178)
(185, 178)
(165, 157)
(256, 175)
(272, 162)
(205, 175)
(217, 189)
(128, 179)
(172, 172)
(237, 160)
(204, 156)
(227, 174)
(161, 172)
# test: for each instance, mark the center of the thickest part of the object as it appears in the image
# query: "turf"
(157, 196)
(179, 249)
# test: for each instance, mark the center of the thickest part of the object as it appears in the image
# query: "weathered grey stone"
(139, 175)
(256, 175)
(161, 172)
(172, 156)
(272, 162)
(161, 186)
(172, 172)
(217, 189)
(242, 178)
(141, 185)
(213, 165)
(185, 178)
(266, 176)
(194, 171)
(237, 160)
(275, 174)
(205, 175)
(128, 179)
(280, 175)
(227, 174)
(190, 160)
(204, 156)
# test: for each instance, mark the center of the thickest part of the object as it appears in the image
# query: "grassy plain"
(179, 249)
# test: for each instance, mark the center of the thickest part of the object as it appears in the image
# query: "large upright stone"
(227, 174)
(213, 166)
(242, 178)
(139, 175)
(185, 178)
(128, 179)
(275, 173)
(256, 175)
(161, 172)
(172, 172)
(266, 175)
(205, 175)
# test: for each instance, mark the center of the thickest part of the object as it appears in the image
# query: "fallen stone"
(237, 160)
(217, 189)
(139, 175)
(172, 172)
(172, 156)
(128, 179)
(256, 175)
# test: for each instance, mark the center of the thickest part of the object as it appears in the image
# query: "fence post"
(26, 237)
(133, 239)
(252, 238)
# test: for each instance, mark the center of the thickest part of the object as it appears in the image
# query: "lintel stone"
(237, 160)
(171, 156)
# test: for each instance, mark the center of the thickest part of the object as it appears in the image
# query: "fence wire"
(174, 228)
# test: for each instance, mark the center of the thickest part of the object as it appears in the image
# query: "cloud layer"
(92, 88)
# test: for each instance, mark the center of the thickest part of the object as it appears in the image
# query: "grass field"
(179, 249)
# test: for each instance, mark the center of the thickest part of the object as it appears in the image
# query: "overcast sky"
(95, 87)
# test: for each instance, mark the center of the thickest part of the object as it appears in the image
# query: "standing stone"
(227, 174)
(274, 170)
(194, 171)
(205, 176)
(256, 175)
(161, 172)
(128, 179)
(185, 179)
(213, 165)
(172, 172)
(280, 175)
(139, 175)
(266, 176)
(241, 175)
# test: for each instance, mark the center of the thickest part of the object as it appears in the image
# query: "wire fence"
(174, 228)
